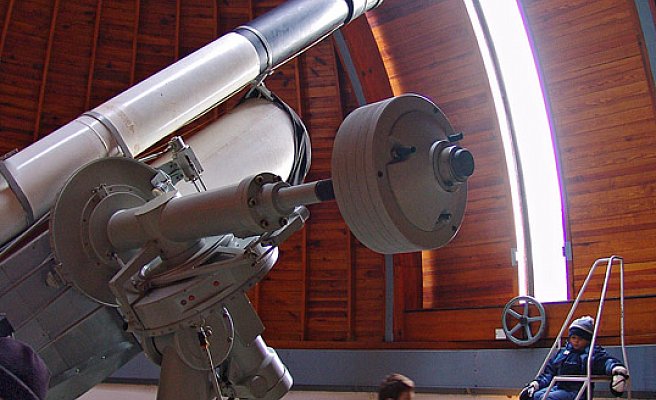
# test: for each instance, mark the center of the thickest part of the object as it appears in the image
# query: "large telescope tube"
(149, 111)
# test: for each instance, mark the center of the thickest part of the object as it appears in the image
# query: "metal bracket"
(567, 251)
(18, 191)
(112, 129)
(119, 281)
(184, 164)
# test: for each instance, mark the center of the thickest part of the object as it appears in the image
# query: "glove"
(527, 392)
(618, 381)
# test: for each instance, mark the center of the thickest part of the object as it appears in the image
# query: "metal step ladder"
(588, 379)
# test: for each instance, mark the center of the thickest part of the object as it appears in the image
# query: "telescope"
(107, 252)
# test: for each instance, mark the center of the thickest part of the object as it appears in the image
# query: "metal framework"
(588, 379)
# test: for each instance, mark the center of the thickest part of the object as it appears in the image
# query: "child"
(573, 360)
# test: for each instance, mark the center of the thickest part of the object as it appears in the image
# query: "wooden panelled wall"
(59, 58)
(596, 75)
(441, 60)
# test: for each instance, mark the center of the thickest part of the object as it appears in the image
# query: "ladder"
(588, 379)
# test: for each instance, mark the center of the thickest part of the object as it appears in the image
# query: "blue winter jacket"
(571, 362)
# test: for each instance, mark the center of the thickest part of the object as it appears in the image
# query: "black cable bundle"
(302, 147)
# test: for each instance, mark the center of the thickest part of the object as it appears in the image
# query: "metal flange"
(79, 221)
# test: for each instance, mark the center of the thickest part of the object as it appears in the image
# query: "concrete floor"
(113, 391)
(149, 392)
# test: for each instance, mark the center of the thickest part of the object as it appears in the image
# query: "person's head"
(396, 387)
(23, 374)
(580, 332)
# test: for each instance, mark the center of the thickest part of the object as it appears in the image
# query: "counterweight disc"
(398, 175)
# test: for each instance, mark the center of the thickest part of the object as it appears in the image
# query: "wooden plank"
(408, 290)
(176, 43)
(305, 265)
(9, 7)
(441, 325)
(65, 95)
(92, 59)
(44, 75)
(155, 46)
(351, 259)
(24, 47)
(369, 294)
(135, 42)
(113, 52)
(366, 58)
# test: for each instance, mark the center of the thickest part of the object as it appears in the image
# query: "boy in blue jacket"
(573, 360)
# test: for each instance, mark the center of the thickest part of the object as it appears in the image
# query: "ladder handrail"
(558, 342)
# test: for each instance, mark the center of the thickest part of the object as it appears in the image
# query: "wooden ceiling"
(59, 58)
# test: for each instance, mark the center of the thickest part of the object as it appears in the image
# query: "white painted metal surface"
(42, 168)
(166, 101)
(255, 137)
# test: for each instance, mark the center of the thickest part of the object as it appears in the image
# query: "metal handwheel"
(527, 326)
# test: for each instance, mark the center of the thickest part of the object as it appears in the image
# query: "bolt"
(283, 221)
(445, 216)
(401, 153)
(264, 223)
(53, 280)
(455, 137)
(462, 164)
(252, 202)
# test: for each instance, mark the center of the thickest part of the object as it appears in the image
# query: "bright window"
(528, 144)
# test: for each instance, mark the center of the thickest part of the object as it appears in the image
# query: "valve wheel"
(526, 326)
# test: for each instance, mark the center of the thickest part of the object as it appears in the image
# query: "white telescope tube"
(41, 169)
(166, 101)
(130, 122)
(142, 115)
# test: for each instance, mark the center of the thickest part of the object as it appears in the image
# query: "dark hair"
(394, 385)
